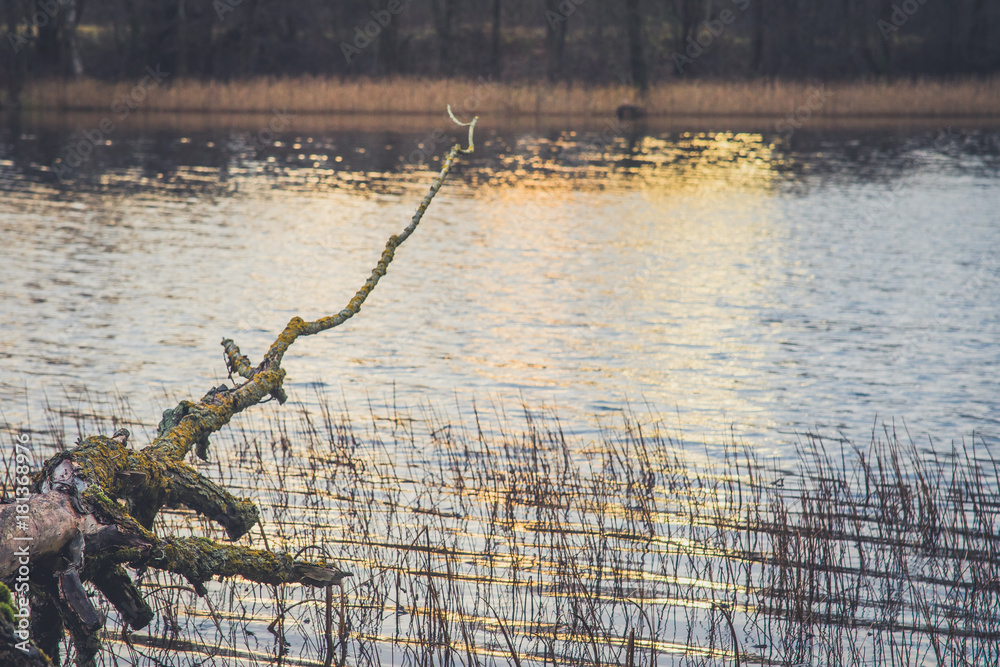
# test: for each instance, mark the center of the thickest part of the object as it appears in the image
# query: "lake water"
(718, 274)
(713, 276)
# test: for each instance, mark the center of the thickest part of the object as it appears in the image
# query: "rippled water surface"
(722, 278)
(727, 277)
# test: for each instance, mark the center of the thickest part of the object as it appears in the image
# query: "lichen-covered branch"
(199, 559)
(298, 327)
(92, 508)
(102, 468)
(237, 362)
(212, 412)
(236, 515)
(219, 406)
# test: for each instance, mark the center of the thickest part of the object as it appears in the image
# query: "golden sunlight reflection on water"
(652, 273)
(702, 272)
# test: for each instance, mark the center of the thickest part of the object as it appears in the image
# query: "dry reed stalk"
(876, 558)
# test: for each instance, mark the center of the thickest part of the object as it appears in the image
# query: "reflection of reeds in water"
(971, 97)
(504, 540)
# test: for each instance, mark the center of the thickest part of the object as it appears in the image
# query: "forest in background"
(637, 42)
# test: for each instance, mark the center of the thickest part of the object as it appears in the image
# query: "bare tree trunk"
(878, 50)
(57, 49)
(555, 39)
(248, 46)
(792, 52)
(17, 44)
(968, 23)
(180, 39)
(688, 13)
(758, 43)
(776, 46)
(387, 45)
(496, 66)
(130, 52)
(47, 52)
(444, 17)
(978, 39)
(637, 61)
(71, 20)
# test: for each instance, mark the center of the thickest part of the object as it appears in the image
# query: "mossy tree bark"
(91, 511)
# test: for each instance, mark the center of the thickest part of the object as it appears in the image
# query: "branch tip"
(472, 128)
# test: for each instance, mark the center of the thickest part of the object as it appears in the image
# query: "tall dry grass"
(497, 537)
(938, 98)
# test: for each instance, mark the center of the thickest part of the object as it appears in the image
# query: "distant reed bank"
(795, 100)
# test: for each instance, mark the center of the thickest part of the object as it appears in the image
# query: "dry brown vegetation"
(958, 98)
(489, 537)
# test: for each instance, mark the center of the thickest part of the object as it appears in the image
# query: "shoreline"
(413, 122)
(797, 102)
(307, 124)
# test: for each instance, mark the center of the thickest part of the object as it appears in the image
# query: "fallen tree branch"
(199, 559)
(92, 507)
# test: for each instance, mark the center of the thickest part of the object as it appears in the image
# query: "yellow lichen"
(6, 604)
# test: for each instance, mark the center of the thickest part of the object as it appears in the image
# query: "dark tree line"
(636, 41)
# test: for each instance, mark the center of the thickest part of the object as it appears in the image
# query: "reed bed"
(496, 538)
(860, 99)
